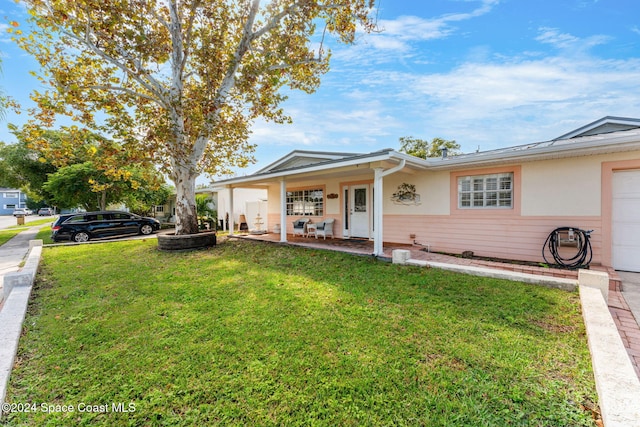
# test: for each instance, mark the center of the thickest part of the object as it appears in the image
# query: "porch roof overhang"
(365, 163)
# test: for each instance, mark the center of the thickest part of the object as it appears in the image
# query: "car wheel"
(81, 237)
(146, 229)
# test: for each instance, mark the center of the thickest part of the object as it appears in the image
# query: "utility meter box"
(568, 238)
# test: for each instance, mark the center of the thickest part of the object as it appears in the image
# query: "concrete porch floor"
(628, 325)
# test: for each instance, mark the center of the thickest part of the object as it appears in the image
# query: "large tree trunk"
(186, 215)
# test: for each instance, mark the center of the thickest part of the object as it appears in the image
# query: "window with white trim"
(160, 208)
(305, 202)
(11, 195)
(485, 191)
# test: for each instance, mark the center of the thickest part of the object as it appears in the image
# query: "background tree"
(71, 186)
(181, 82)
(22, 167)
(29, 167)
(146, 197)
(82, 184)
(424, 149)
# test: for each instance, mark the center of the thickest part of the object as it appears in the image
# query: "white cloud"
(495, 104)
(396, 33)
(566, 41)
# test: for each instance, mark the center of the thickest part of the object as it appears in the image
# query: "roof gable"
(606, 124)
(298, 158)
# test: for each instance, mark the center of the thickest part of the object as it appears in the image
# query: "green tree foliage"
(22, 167)
(206, 213)
(75, 185)
(180, 82)
(70, 187)
(425, 149)
(145, 198)
(31, 166)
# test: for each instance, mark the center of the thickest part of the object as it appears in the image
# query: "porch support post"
(283, 210)
(231, 222)
(378, 176)
(377, 212)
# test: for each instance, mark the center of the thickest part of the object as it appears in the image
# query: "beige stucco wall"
(561, 187)
(565, 187)
(433, 188)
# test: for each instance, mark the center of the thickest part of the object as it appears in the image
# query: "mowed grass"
(268, 335)
(8, 233)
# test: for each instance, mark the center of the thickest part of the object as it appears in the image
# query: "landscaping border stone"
(173, 242)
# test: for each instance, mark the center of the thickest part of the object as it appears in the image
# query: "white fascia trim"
(594, 146)
(387, 156)
(601, 122)
(328, 155)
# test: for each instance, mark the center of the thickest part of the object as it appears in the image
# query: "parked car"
(82, 227)
(22, 211)
(45, 212)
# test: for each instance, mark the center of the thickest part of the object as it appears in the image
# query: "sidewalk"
(13, 252)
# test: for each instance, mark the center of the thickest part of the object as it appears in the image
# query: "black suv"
(82, 227)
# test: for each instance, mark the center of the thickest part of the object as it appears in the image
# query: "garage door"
(626, 221)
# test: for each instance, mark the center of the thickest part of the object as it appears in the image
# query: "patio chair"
(325, 228)
(300, 226)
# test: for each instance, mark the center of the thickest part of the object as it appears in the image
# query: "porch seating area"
(322, 228)
(300, 227)
(305, 228)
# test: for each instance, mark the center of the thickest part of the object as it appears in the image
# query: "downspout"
(379, 174)
(283, 211)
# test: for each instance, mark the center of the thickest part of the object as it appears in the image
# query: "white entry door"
(625, 225)
(360, 211)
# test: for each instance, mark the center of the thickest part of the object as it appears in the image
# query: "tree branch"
(122, 89)
(152, 85)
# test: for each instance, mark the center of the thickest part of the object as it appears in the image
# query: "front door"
(360, 211)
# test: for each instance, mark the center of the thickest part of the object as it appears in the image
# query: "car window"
(97, 217)
(77, 218)
(121, 216)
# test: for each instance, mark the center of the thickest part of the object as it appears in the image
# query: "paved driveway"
(631, 291)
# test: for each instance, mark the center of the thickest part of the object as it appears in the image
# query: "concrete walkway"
(13, 252)
(625, 309)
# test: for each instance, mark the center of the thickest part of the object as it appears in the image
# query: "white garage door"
(626, 220)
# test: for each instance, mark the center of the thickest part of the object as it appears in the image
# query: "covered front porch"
(346, 188)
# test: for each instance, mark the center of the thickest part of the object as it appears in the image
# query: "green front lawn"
(266, 335)
(40, 221)
(44, 233)
(7, 234)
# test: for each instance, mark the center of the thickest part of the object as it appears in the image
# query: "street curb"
(13, 312)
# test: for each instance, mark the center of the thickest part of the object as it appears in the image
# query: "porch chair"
(300, 226)
(325, 228)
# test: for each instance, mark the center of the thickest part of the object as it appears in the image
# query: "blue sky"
(487, 73)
